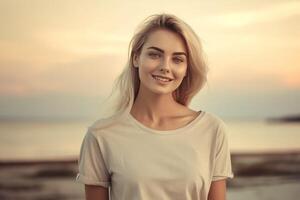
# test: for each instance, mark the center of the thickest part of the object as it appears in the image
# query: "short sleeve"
(222, 162)
(91, 165)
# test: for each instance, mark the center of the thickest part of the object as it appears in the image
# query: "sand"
(259, 176)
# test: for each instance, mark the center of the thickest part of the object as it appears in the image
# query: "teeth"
(162, 79)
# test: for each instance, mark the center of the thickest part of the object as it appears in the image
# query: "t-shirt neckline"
(166, 132)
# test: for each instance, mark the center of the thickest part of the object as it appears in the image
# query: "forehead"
(167, 40)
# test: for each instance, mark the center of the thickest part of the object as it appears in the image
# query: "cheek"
(180, 72)
(145, 69)
(148, 64)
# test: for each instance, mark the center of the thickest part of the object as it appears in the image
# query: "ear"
(135, 60)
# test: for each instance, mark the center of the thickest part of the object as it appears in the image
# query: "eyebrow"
(176, 53)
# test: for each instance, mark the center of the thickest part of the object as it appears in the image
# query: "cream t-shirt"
(140, 163)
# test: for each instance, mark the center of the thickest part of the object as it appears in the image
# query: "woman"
(153, 146)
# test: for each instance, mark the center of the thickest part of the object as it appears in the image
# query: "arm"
(93, 192)
(217, 190)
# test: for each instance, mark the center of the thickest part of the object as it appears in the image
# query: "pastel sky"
(58, 58)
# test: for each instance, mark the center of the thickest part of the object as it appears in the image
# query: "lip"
(161, 82)
(162, 76)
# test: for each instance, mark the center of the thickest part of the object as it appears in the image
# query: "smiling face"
(162, 62)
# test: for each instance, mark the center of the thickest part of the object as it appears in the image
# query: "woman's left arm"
(217, 190)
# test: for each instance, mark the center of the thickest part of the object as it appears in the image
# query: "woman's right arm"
(93, 192)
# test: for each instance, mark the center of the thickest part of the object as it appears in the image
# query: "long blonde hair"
(127, 84)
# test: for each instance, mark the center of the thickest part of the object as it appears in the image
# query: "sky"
(59, 58)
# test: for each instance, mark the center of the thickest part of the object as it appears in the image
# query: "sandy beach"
(257, 176)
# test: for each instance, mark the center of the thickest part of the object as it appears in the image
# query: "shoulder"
(220, 127)
(214, 120)
(105, 123)
(216, 125)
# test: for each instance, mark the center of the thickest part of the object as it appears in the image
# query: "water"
(260, 136)
(41, 140)
(59, 140)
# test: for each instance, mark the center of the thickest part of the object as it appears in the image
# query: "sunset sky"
(58, 58)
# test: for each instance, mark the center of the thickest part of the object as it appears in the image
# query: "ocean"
(30, 140)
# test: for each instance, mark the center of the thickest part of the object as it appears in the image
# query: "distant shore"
(286, 119)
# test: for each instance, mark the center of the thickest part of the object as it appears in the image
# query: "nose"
(165, 65)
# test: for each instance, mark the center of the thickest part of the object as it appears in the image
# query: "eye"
(178, 60)
(154, 55)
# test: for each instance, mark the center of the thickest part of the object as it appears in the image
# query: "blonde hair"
(127, 83)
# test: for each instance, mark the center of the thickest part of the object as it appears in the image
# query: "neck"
(152, 106)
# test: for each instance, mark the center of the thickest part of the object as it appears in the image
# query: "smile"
(161, 79)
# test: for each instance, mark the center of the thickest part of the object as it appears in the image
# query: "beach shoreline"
(55, 179)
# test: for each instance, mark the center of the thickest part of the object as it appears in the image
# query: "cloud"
(291, 79)
(271, 13)
(83, 42)
(87, 76)
(61, 61)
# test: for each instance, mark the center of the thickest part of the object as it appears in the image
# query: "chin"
(162, 91)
